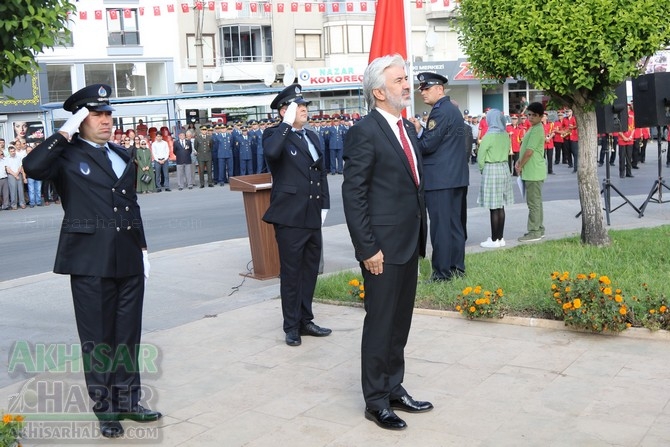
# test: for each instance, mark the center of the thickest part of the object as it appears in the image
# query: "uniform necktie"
(103, 149)
(408, 151)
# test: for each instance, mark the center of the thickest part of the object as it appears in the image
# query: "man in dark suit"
(299, 202)
(103, 249)
(384, 208)
(182, 150)
(445, 161)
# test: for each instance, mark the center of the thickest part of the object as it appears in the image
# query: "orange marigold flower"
(662, 309)
(652, 311)
(577, 303)
(499, 292)
(19, 418)
(607, 290)
(478, 301)
(458, 308)
(605, 280)
(6, 418)
(628, 325)
(361, 287)
(354, 282)
(592, 275)
(618, 298)
(361, 295)
(467, 290)
(581, 276)
(477, 290)
(472, 309)
(623, 310)
(556, 294)
(554, 287)
(487, 293)
(618, 291)
(487, 301)
(567, 306)
(567, 289)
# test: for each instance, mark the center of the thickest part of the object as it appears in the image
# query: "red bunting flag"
(308, 7)
(127, 14)
(83, 15)
(336, 7)
(294, 7)
(267, 7)
(364, 6)
(446, 2)
(185, 8)
(322, 7)
(141, 8)
(98, 14)
(350, 7)
(433, 1)
(238, 6)
(157, 10)
(211, 5)
(170, 7)
(388, 35)
(113, 14)
(419, 4)
(224, 6)
(253, 7)
(280, 7)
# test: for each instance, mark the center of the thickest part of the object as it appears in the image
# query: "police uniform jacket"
(203, 147)
(102, 232)
(217, 141)
(299, 184)
(336, 136)
(244, 146)
(442, 145)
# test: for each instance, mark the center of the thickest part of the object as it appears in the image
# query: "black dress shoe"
(406, 403)
(630, 175)
(111, 429)
(293, 338)
(314, 330)
(141, 414)
(385, 418)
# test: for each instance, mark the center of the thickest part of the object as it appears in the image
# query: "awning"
(225, 102)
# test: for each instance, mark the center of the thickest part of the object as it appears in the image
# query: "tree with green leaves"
(27, 27)
(577, 52)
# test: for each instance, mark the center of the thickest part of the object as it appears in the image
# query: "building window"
(335, 39)
(308, 46)
(129, 79)
(246, 43)
(122, 29)
(208, 51)
(59, 78)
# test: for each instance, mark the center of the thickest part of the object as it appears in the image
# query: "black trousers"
(389, 303)
(625, 159)
(108, 312)
(447, 231)
(299, 255)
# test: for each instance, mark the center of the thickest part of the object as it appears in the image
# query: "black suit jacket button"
(115, 209)
(123, 191)
(127, 208)
(128, 228)
(118, 229)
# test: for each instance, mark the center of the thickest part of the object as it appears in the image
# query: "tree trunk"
(593, 226)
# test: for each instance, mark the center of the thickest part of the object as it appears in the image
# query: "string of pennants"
(254, 6)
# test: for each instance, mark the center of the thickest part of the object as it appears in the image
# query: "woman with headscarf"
(496, 187)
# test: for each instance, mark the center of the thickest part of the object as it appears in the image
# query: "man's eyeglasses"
(143, 144)
(529, 114)
(126, 141)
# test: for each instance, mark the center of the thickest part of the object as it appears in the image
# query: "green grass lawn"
(637, 262)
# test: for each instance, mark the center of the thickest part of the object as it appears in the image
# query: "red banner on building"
(388, 35)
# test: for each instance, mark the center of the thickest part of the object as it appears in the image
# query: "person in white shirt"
(4, 185)
(161, 152)
(15, 179)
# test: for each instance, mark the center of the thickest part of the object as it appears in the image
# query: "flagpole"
(410, 53)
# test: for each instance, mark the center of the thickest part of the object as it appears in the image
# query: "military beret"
(428, 79)
(93, 97)
(292, 93)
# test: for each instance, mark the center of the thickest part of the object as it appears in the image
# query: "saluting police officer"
(446, 175)
(103, 249)
(299, 202)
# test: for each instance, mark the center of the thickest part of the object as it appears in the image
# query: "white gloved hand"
(324, 213)
(290, 113)
(145, 261)
(71, 126)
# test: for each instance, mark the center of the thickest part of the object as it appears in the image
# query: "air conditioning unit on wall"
(281, 69)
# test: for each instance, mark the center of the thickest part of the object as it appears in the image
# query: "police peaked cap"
(428, 79)
(292, 93)
(94, 97)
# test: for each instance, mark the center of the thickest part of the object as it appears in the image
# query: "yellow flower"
(487, 301)
(581, 276)
(19, 418)
(628, 325)
(554, 287)
(472, 309)
(554, 275)
(652, 311)
(622, 310)
(354, 282)
(361, 287)
(478, 301)
(592, 275)
(577, 303)
(607, 290)
(618, 291)
(618, 298)
(567, 289)
(605, 280)
(467, 290)
(556, 294)
(7, 418)
(361, 295)
(487, 293)
(567, 306)
(662, 309)
(458, 308)
(477, 290)
(499, 292)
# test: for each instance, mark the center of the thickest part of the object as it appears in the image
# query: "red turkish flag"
(184, 7)
(280, 7)
(308, 7)
(127, 14)
(224, 6)
(294, 7)
(170, 7)
(113, 14)
(157, 10)
(198, 6)
(322, 7)
(336, 7)
(238, 6)
(446, 2)
(388, 35)
(141, 8)
(364, 6)
(267, 7)
(98, 14)
(253, 7)
(211, 5)
(350, 7)
(419, 4)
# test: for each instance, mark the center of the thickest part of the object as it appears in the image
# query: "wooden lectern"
(256, 194)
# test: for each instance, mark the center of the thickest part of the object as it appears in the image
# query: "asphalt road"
(190, 217)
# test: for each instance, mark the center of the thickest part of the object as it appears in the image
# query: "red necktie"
(408, 151)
